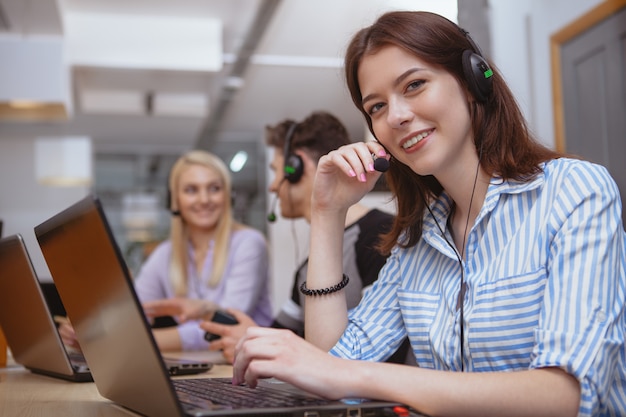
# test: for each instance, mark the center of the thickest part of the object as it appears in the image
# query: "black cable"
(271, 217)
(458, 257)
(461, 298)
(463, 284)
(294, 233)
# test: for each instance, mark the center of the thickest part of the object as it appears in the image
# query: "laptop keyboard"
(221, 391)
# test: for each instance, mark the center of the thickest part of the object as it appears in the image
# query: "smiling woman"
(210, 261)
(507, 260)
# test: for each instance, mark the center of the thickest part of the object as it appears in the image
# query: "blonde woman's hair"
(179, 235)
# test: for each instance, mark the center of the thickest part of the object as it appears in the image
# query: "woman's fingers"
(358, 159)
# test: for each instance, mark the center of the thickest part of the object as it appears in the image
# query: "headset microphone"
(381, 164)
(271, 217)
(175, 212)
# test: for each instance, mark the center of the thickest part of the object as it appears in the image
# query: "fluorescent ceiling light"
(238, 161)
(297, 61)
(112, 102)
(180, 104)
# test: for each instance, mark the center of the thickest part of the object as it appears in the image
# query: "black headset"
(477, 71)
(168, 201)
(293, 166)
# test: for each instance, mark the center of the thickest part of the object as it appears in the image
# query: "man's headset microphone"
(294, 168)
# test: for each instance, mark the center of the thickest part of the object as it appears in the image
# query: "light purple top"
(244, 285)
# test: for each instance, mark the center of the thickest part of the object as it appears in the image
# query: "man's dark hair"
(318, 134)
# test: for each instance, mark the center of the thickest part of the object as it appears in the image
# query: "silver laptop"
(29, 327)
(99, 297)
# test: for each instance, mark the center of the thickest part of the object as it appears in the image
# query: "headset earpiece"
(168, 203)
(293, 167)
(476, 70)
(478, 75)
(168, 199)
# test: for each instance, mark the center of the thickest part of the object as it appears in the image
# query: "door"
(593, 82)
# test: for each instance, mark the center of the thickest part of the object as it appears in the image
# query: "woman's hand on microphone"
(345, 175)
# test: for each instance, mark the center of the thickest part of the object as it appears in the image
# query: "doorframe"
(573, 29)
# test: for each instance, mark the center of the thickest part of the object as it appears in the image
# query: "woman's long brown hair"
(501, 136)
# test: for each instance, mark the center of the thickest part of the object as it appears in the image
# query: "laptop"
(29, 328)
(97, 291)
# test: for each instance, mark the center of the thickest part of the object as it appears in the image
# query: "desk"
(23, 393)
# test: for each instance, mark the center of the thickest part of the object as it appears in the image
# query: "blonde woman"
(210, 261)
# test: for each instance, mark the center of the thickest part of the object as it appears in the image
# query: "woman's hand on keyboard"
(279, 353)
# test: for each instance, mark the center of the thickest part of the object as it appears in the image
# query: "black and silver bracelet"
(323, 291)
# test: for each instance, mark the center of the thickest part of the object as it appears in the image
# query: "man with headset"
(298, 147)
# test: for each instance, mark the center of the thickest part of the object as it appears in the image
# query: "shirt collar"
(498, 187)
(441, 207)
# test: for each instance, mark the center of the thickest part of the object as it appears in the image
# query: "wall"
(23, 202)
(520, 42)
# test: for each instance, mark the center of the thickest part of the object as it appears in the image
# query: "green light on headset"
(290, 170)
(488, 73)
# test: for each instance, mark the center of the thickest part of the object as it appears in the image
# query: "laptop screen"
(27, 324)
(93, 281)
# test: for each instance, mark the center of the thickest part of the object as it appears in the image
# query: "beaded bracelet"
(323, 291)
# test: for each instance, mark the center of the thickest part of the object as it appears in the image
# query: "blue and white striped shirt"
(545, 269)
